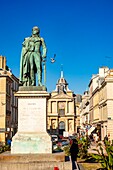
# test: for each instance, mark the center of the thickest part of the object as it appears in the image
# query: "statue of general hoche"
(33, 56)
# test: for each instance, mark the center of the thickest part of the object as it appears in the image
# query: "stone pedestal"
(31, 136)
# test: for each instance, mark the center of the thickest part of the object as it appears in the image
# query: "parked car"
(63, 143)
(54, 138)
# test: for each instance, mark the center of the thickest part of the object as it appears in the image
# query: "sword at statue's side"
(44, 65)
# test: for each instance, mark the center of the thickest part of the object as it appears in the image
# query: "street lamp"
(106, 129)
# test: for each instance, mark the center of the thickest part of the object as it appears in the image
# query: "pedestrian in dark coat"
(105, 139)
(74, 151)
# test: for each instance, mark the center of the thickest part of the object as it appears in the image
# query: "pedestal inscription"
(31, 136)
(32, 115)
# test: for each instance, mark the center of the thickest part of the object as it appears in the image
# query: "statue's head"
(35, 30)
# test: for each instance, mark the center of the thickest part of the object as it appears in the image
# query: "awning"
(91, 130)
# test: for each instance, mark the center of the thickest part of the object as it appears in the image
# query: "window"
(62, 125)
(61, 108)
(61, 112)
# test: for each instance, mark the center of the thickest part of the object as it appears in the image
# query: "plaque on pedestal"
(31, 136)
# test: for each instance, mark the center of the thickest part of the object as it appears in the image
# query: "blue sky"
(79, 32)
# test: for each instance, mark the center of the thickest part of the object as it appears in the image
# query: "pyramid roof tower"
(62, 85)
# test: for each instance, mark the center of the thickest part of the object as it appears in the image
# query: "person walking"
(74, 151)
(105, 139)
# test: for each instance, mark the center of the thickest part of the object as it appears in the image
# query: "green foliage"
(83, 144)
(58, 148)
(5, 148)
(66, 149)
(105, 158)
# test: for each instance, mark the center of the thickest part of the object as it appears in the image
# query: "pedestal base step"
(31, 143)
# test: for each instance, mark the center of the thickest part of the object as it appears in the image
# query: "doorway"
(61, 127)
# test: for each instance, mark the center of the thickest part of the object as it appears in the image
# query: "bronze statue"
(33, 55)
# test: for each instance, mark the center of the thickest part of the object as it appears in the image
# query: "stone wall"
(10, 161)
(35, 166)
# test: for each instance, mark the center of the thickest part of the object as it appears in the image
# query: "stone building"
(101, 102)
(78, 100)
(84, 111)
(61, 114)
(106, 106)
(8, 103)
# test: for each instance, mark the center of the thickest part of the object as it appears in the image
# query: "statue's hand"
(43, 58)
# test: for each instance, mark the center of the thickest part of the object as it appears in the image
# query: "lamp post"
(106, 129)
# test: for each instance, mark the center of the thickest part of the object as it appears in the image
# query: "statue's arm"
(44, 48)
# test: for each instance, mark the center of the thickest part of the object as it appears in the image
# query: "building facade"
(61, 114)
(106, 106)
(84, 112)
(94, 111)
(101, 103)
(8, 103)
